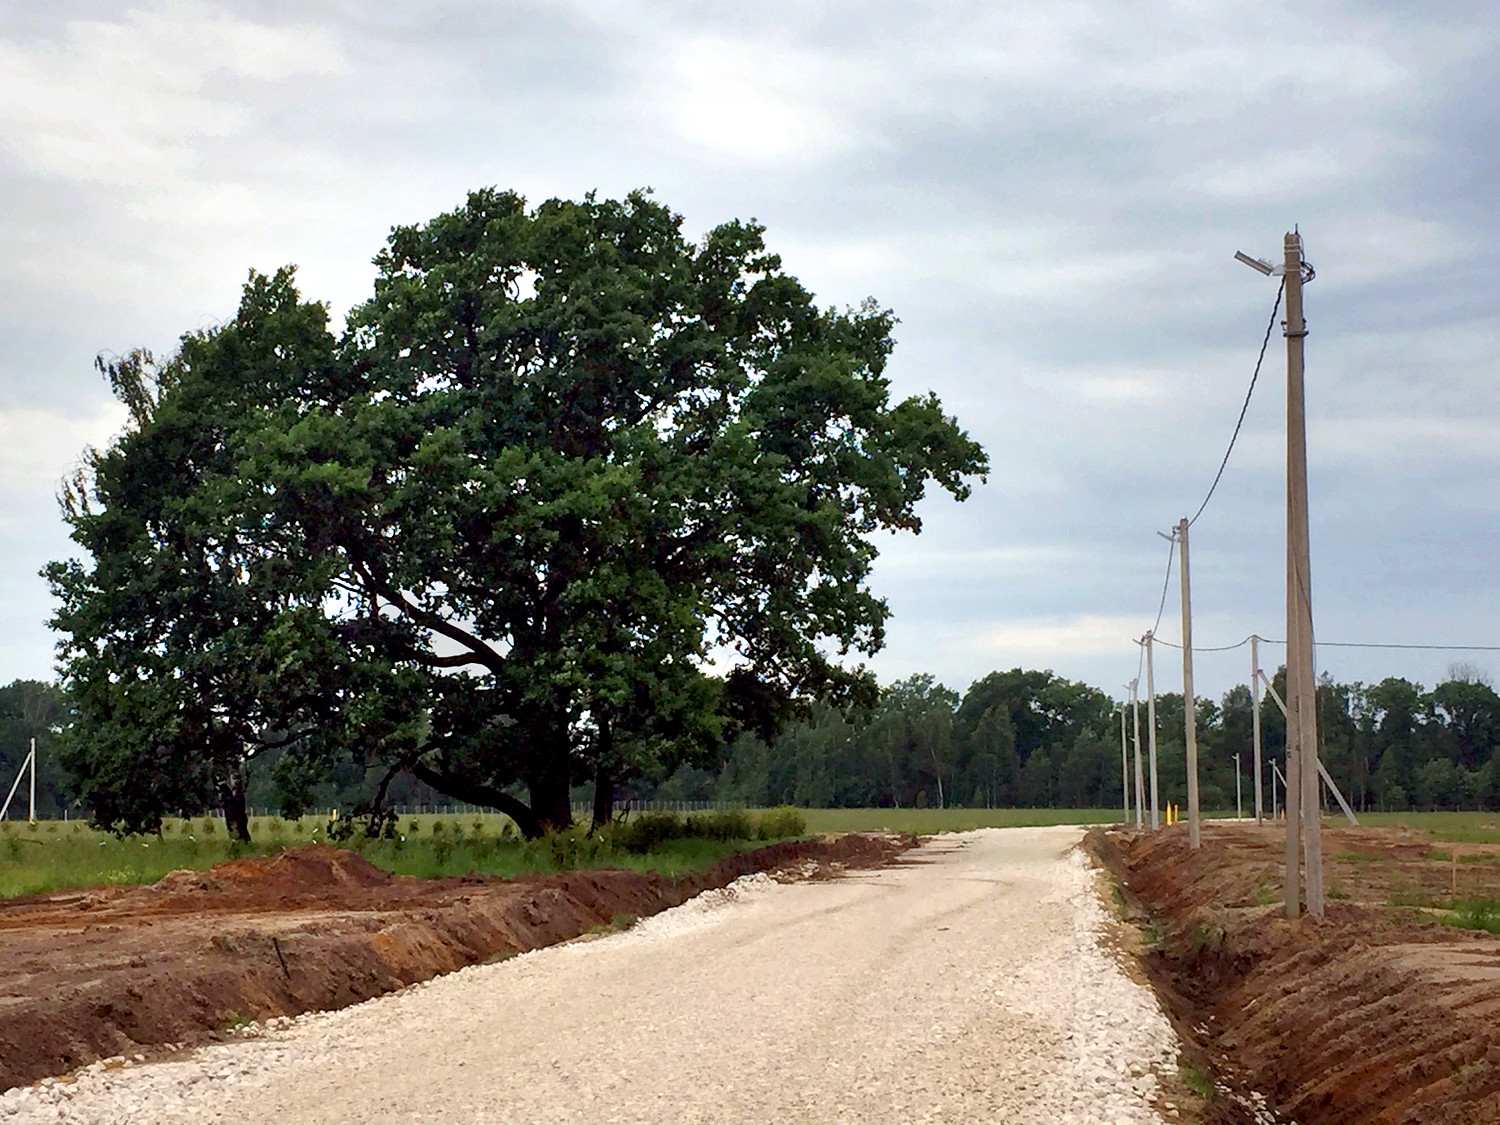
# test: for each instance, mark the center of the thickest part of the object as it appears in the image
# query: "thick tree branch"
(477, 793)
(484, 655)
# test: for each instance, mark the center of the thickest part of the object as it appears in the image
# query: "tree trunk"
(604, 780)
(604, 797)
(236, 817)
(551, 802)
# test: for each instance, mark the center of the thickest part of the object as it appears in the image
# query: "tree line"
(1033, 739)
(1017, 738)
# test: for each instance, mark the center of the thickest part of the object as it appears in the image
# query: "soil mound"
(1373, 1015)
(121, 971)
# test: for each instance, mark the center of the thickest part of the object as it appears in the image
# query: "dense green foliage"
(491, 534)
(1034, 740)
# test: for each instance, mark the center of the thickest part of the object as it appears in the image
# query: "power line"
(1165, 583)
(1373, 644)
(1271, 324)
(1217, 648)
(1340, 644)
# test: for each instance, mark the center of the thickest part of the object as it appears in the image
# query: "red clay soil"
(93, 974)
(1374, 1015)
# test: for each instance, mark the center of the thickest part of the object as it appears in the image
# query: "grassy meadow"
(1458, 827)
(53, 855)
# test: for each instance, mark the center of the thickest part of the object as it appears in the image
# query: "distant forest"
(1033, 739)
(1017, 738)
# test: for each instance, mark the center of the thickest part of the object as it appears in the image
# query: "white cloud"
(127, 102)
(39, 447)
(1048, 638)
(742, 101)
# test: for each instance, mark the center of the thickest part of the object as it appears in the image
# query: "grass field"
(52, 855)
(1459, 827)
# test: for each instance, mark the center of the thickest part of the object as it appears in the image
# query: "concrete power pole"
(1255, 721)
(1151, 735)
(1302, 699)
(1140, 787)
(1124, 771)
(1189, 703)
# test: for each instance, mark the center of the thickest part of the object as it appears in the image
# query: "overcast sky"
(1048, 195)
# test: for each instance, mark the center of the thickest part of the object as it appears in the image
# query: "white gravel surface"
(965, 985)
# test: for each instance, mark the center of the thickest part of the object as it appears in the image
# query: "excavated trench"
(127, 971)
(1376, 1014)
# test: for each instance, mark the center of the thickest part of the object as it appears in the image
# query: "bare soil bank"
(1374, 1014)
(93, 974)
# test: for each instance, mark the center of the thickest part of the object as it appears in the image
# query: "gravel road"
(966, 984)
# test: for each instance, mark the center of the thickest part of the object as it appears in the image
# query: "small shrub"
(780, 823)
(572, 847)
(724, 825)
(52, 827)
(438, 828)
(643, 833)
(210, 826)
(1195, 1080)
(1477, 914)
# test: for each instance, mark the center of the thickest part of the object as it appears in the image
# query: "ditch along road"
(973, 981)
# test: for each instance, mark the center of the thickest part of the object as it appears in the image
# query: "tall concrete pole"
(1255, 721)
(1124, 771)
(1140, 786)
(1151, 734)
(1303, 704)
(1189, 702)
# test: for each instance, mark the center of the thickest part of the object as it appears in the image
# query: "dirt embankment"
(1376, 1014)
(125, 970)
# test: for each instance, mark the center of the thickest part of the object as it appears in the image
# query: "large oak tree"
(571, 497)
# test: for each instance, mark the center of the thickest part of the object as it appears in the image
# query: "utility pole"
(1189, 703)
(1151, 734)
(1124, 772)
(1304, 807)
(1140, 788)
(32, 806)
(1255, 720)
(1239, 810)
(1303, 702)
